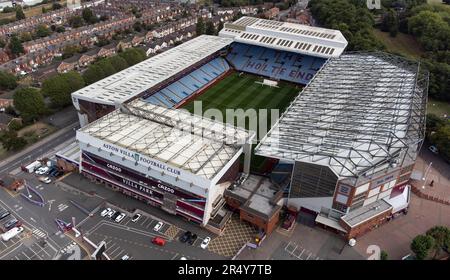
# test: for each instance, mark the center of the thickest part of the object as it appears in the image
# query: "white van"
(11, 233)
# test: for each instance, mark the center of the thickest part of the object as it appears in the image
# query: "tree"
(390, 23)
(60, 87)
(30, 103)
(70, 50)
(15, 125)
(421, 246)
(441, 235)
(60, 29)
(7, 81)
(93, 74)
(137, 26)
(133, 55)
(200, 27)
(219, 27)
(106, 66)
(76, 21)
(384, 256)
(25, 37)
(441, 138)
(118, 63)
(210, 29)
(19, 13)
(11, 141)
(56, 6)
(89, 16)
(15, 45)
(42, 31)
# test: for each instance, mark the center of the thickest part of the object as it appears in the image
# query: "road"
(42, 147)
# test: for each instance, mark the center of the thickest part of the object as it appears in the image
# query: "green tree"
(433, 123)
(106, 66)
(19, 13)
(92, 74)
(60, 29)
(70, 50)
(200, 26)
(30, 103)
(210, 29)
(441, 235)
(56, 6)
(133, 55)
(25, 37)
(89, 16)
(219, 27)
(118, 63)
(137, 26)
(384, 256)
(15, 125)
(15, 45)
(390, 23)
(11, 141)
(441, 138)
(421, 246)
(42, 30)
(76, 21)
(7, 81)
(60, 87)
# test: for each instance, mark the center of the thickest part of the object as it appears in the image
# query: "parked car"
(11, 233)
(111, 213)
(433, 149)
(136, 218)
(115, 215)
(205, 242)
(13, 222)
(126, 257)
(158, 241)
(185, 237)
(42, 170)
(120, 217)
(105, 212)
(158, 226)
(46, 180)
(4, 213)
(192, 239)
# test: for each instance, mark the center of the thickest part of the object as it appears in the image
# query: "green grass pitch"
(243, 92)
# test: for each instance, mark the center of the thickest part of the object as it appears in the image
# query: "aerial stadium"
(344, 147)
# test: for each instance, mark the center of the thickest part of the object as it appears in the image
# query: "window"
(344, 189)
(340, 207)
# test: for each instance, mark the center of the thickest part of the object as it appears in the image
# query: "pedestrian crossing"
(38, 233)
(62, 207)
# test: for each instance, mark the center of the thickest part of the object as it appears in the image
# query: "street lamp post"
(426, 175)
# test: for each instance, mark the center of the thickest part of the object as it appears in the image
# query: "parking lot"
(134, 239)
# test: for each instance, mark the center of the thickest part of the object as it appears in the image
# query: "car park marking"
(62, 207)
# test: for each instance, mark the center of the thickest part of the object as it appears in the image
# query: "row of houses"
(30, 23)
(78, 33)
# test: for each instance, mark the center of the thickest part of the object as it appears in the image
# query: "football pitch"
(244, 92)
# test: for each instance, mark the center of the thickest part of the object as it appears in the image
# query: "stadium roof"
(286, 36)
(132, 81)
(356, 115)
(198, 145)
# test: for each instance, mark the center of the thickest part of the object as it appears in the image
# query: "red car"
(158, 241)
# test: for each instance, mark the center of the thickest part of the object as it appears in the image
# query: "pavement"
(303, 242)
(395, 236)
(438, 172)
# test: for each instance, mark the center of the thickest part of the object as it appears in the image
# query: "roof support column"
(247, 156)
